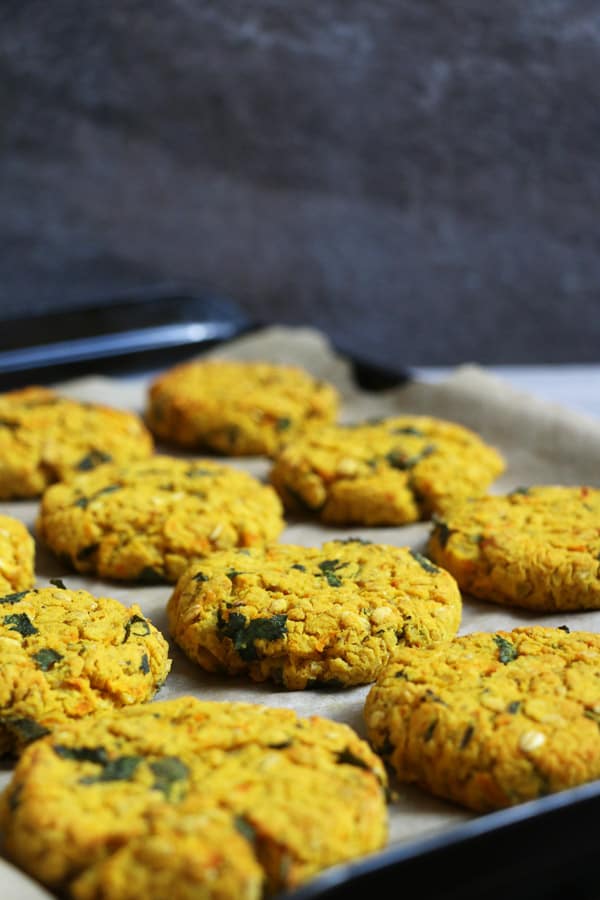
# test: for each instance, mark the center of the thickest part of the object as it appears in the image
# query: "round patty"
(45, 437)
(490, 720)
(389, 472)
(537, 547)
(238, 408)
(86, 810)
(303, 616)
(67, 654)
(146, 522)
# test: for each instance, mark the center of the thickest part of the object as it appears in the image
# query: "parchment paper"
(542, 443)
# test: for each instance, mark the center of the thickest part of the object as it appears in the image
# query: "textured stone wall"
(420, 178)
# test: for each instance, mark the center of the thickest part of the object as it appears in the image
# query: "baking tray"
(140, 331)
(540, 850)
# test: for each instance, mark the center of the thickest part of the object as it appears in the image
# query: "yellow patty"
(17, 552)
(66, 654)
(537, 547)
(191, 851)
(109, 804)
(46, 438)
(303, 616)
(491, 720)
(238, 408)
(147, 521)
(390, 472)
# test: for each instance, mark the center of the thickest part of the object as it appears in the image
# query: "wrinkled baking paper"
(541, 442)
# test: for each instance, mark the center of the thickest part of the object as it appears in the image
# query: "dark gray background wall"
(419, 178)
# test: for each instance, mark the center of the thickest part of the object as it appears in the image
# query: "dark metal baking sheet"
(151, 329)
(541, 850)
